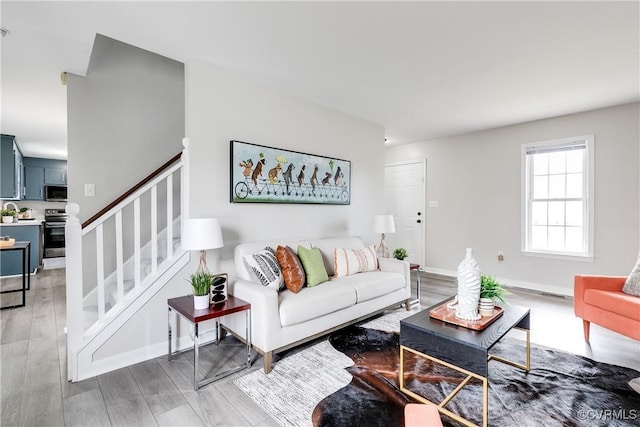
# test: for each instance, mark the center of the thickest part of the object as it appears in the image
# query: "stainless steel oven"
(54, 233)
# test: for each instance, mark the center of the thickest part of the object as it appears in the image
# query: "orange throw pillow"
(292, 270)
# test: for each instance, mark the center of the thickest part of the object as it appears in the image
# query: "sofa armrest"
(583, 282)
(265, 318)
(396, 266)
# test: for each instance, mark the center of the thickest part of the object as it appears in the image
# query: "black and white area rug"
(350, 379)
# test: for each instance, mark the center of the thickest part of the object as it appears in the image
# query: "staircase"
(120, 258)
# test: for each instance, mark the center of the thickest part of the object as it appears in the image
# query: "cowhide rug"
(561, 389)
(351, 380)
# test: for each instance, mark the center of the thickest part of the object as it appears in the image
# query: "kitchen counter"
(11, 261)
(23, 222)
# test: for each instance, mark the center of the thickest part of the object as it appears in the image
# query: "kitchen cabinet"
(10, 168)
(55, 175)
(40, 172)
(11, 261)
(34, 183)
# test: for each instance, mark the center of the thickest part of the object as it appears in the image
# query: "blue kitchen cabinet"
(40, 172)
(55, 175)
(11, 261)
(34, 183)
(10, 168)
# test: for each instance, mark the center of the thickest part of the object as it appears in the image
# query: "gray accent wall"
(125, 119)
(476, 180)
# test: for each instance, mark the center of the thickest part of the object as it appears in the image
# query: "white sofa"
(282, 319)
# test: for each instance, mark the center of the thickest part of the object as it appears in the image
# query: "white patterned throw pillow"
(632, 284)
(351, 261)
(264, 265)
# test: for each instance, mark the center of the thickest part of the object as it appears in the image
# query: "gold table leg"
(441, 406)
(470, 376)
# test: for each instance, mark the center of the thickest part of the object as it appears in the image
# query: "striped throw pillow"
(351, 261)
(264, 265)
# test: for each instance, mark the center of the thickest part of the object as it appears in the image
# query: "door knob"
(419, 213)
(419, 221)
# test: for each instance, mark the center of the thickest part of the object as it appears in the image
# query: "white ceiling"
(421, 69)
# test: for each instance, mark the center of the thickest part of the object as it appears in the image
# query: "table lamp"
(201, 234)
(383, 224)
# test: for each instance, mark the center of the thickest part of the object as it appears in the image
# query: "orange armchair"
(599, 299)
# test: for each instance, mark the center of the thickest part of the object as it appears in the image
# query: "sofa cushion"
(242, 272)
(372, 284)
(313, 266)
(292, 270)
(327, 247)
(264, 265)
(311, 303)
(616, 302)
(351, 261)
(632, 284)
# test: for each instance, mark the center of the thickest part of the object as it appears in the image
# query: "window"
(557, 198)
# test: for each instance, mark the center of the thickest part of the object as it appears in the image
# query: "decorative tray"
(6, 242)
(448, 315)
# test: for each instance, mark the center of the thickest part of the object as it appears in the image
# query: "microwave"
(55, 193)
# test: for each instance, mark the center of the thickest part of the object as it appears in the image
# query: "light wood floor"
(34, 390)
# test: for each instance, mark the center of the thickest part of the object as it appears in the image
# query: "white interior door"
(404, 190)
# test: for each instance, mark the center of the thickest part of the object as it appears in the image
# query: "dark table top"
(457, 345)
(184, 306)
(513, 316)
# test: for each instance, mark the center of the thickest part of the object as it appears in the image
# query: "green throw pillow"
(313, 265)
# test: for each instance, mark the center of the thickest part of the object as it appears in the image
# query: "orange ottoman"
(419, 415)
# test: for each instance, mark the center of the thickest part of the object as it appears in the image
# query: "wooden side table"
(25, 247)
(417, 269)
(184, 307)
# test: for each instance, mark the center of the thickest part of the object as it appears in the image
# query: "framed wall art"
(261, 174)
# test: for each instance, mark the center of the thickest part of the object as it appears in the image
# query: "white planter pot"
(7, 219)
(200, 302)
(486, 306)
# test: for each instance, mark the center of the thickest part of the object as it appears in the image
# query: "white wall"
(220, 107)
(476, 180)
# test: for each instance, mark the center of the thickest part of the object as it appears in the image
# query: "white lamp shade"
(384, 224)
(201, 233)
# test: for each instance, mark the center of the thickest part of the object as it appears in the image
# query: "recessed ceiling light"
(3, 32)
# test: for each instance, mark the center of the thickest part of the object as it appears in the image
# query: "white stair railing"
(107, 232)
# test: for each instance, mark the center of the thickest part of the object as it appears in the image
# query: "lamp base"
(202, 267)
(382, 251)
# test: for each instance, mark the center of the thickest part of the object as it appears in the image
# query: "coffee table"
(461, 349)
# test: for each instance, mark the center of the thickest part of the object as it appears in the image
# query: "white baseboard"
(142, 354)
(511, 283)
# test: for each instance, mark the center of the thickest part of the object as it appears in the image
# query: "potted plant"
(7, 215)
(200, 282)
(490, 291)
(400, 253)
(25, 213)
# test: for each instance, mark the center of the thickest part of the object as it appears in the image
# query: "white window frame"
(588, 191)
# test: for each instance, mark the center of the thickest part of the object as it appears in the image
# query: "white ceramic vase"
(468, 288)
(7, 219)
(200, 302)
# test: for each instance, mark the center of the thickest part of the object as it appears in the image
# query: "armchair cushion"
(632, 284)
(614, 302)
